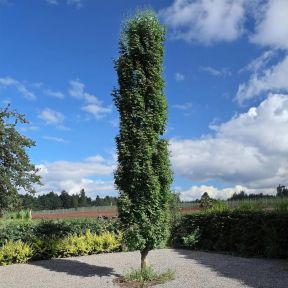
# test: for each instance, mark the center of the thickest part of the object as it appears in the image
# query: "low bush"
(15, 252)
(29, 230)
(247, 233)
(88, 243)
(45, 239)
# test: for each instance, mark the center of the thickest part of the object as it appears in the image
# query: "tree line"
(52, 201)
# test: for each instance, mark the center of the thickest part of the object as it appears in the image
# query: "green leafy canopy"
(143, 175)
(16, 171)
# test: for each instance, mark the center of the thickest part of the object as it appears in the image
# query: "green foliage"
(247, 233)
(191, 240)
(53, 201)
(219, 206)
(15, 252)
(143, 175)
(85, 244)
(16, 171)
(22, 214)
(147, 276)
(206, 201)
(46, 229)
(50, 239)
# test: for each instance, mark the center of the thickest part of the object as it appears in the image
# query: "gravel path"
(193, 269)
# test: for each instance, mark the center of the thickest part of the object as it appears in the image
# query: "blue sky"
(226, 66)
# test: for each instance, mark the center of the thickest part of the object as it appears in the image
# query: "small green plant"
(219, 206)
(15, 252)
(192, 239)
(146, 277)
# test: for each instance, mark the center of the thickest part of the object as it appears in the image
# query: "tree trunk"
(144, 262)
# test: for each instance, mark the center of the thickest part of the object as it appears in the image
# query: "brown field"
(93, 213)
(75, 214)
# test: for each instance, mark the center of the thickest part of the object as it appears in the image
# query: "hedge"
(246, 233)
(24, 240)
(24, 230)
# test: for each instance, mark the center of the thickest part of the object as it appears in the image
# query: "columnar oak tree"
(143, 175)
(16, 171)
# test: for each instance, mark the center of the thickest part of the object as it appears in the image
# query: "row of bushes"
(246, 233)
(27, 231)
(71, 245)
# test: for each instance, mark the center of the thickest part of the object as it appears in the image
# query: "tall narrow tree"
(143, 176)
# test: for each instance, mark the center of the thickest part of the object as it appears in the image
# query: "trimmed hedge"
(71, 245)
(246, 233)
(22, 240)
(27, 230)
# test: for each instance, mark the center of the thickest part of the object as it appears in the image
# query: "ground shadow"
(254, 272)
(74, 267)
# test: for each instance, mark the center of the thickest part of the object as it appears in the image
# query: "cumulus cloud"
(73, 176)
(205, 21)
(51, 116)
(195, 192)
(19, 86)
(92, 104)
(272, 79)
(249, 150)
(272, 24)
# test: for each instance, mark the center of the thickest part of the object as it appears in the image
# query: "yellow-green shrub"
(87, 243)
(15, 252)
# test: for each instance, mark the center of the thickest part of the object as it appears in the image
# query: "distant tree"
(66, 199)
(82, 199)
(206, 201)
(282, 191)
(75, 200)
(98, 201)
(16, 171)
(143, 176)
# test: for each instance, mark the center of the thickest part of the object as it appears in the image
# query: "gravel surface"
(193, 269)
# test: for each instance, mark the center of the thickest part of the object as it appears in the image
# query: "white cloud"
(272, 24)
(55, 139)
(273, 79)
(55, 94)
(51, 116)
(52, 2)
(205, 21)
(216, 72)
(20, 87)
(96, 110)
(76, 3)
(195, 192)
(92, 104)
(73, 176)
(260, 62)
(249, 150)
(179, 77)
(185, 106)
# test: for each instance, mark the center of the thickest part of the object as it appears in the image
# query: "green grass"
(145, 278)
(277, 204)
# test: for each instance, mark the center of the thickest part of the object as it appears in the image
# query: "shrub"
(88, 243)
(28, 230)
(191, 240)
(15, 252)
(247, 233)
